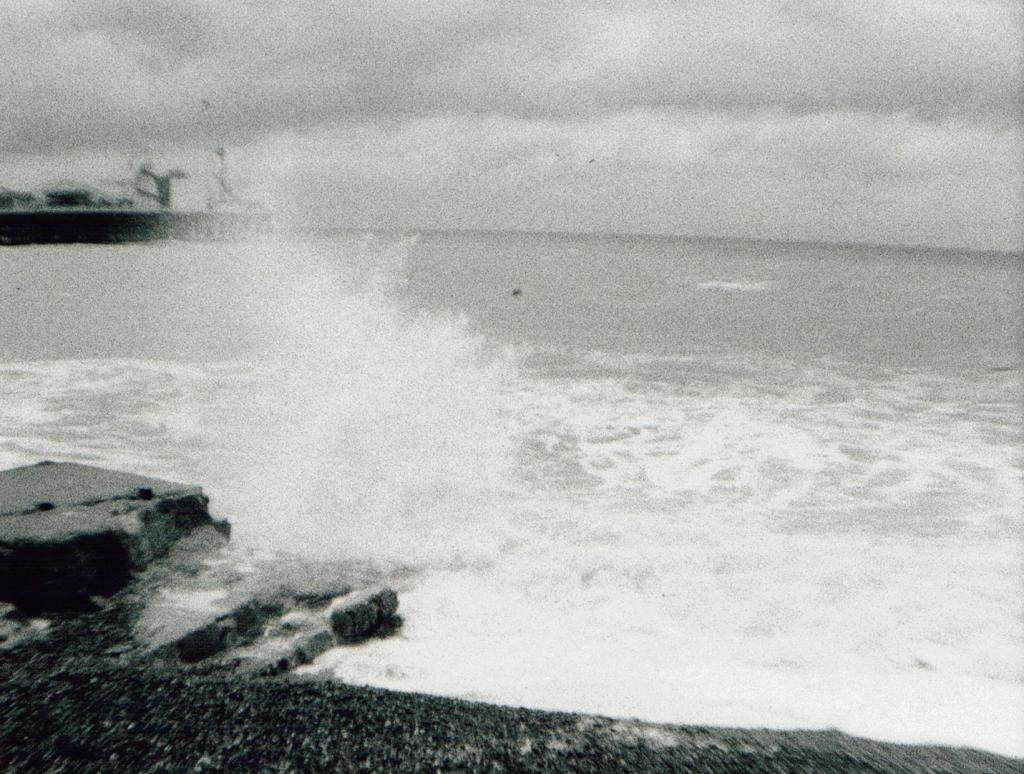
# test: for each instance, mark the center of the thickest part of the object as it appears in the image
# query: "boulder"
(307, 647)
(243, 625)
(363, 613)
(69, 532)
(281, 654)
(275, 634)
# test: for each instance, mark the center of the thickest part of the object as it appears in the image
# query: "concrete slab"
(49, 485)
(69, 532)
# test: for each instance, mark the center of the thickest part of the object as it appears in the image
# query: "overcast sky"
(840, 120)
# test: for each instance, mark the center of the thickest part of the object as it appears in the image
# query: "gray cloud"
(844, 176)
(100, 74)
(822, 119)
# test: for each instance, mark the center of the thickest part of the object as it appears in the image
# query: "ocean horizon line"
(1017, 252)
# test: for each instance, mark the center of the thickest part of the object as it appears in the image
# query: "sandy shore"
(76, 703)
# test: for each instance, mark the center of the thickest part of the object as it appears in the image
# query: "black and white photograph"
(435, 385)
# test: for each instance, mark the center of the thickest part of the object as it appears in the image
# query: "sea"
(714, 482)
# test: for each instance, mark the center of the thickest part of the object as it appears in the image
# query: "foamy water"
(754, 535)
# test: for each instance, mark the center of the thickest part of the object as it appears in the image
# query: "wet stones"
(363, 613)
(271, 636)
(282, 654)
(241, 626)
(147, 553)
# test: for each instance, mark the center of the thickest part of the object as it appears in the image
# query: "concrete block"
(358, 615)
(69, 531)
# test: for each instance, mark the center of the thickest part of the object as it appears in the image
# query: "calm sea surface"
(685, 480)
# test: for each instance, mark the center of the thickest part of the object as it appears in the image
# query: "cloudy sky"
(840, 120)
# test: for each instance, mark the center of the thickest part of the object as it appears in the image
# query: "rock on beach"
(69, 532)
(93, 694)
(358, 615)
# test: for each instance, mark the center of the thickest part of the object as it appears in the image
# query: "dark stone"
(63, 575)
(203, 643)
(312, 645)
(302, 650)
(361, 614)
(169, 520)
(243, 625)
(250, 619)
(88, 534)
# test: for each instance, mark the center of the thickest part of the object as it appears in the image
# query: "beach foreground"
(69, 709)
(81, 691)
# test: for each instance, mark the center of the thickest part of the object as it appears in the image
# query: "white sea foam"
(195, 601)
(735, 286)
(776, 560)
